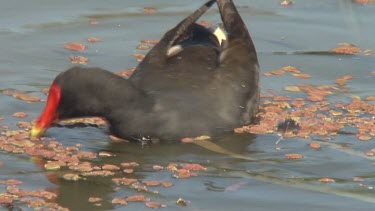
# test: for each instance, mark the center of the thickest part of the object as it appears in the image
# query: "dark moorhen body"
(187, 85)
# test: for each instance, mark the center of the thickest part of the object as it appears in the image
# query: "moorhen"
(189, 84)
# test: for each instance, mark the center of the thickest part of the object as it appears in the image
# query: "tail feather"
(158, 54)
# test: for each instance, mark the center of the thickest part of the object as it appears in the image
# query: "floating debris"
(167, 184)
(152, 42)
(139, 56)
(129, 164)
(20, 114)
(128, 171)
(127, 72)
(21, 96)
(326, 180)
(105, 154)
(289, 126)
(293, 156)
(75, 46)
(157, 167)
(193, 167)
(120, 201)
(286, 3)
(206, 23)
(315, 146)
(110, 167)
(181, 202)
(93, 39)
(143, 47)
(154, 205)
(52, 166)
(78, 60)
(149, 10)
(183, 174)
(71, 177)
(95, 199)
(346, 48)
(292, 88)
(152, 182)
(137, 198)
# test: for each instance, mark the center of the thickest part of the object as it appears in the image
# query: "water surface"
(33, 32)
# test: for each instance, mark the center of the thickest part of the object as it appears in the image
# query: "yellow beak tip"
(36, 132)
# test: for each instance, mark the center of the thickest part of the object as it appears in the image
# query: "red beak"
(49, 114)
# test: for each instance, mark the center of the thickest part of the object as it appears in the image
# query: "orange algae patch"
(152, 182)
(278, 72)
(317, 116)
(301, 75)
(21, 96)
(342, 81)
(120, 201)
(152, 42)
(206, 23)
(93, 39)
(293, 156)
(193, 167)
(20, 114)
(143, 47)
(291, 69)
(315, 145)
(137, 198)
(149, 10)
(154, 205)
(292, 88)
(127, 72)
(139, 56)
(346, 48)
(75, 46)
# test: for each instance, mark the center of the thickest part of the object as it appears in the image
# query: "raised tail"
(158, 54)
(236, 30)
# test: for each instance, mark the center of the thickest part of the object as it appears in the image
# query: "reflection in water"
(74, 195)
(220, 166)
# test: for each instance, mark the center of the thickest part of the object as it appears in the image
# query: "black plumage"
(187, 85)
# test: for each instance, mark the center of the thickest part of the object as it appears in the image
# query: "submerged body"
(187, 85)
